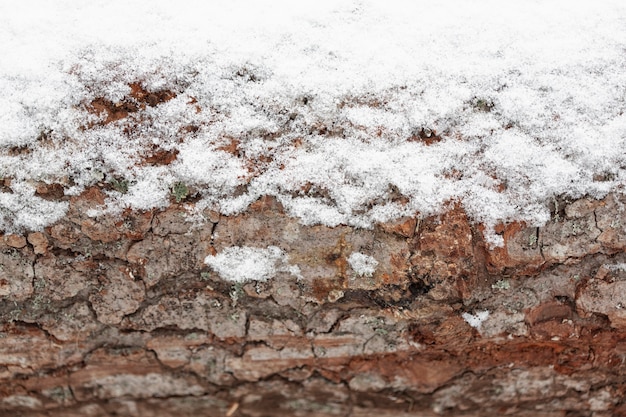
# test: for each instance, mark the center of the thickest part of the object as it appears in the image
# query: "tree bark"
(122, 316)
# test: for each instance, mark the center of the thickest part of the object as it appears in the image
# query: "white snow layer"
(321, 105)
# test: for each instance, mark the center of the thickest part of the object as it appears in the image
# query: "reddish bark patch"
(549, 311)
(521, 250)
(425, 136)
(498, 258)
(404, 227)
(15, 241)
(138, 99)
(451, 237)
(5, 185)
(321, 288)
(112, 111)
(232, 147)
(151, 98)
(91, 196)
(50, 191)
(160, 156)
(267, 203)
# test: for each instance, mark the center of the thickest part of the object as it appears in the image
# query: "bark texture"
(120, 316)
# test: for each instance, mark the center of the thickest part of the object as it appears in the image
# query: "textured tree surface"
(120, 316)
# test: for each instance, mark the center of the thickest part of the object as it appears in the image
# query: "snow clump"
(244, 263)
(476, 320)
(362, 264)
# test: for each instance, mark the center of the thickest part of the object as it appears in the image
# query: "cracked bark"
(122, 317)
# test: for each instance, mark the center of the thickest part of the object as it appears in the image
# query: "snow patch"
(476, 320)
(23, 210)
(362, 264)
(244, 263)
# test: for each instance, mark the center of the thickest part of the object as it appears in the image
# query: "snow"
(244, 263)
(528, 99)
(476, 320)
(362, 264)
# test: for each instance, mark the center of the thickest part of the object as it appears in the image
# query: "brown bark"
(120, 316)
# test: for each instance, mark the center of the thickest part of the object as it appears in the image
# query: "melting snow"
(349, 112)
